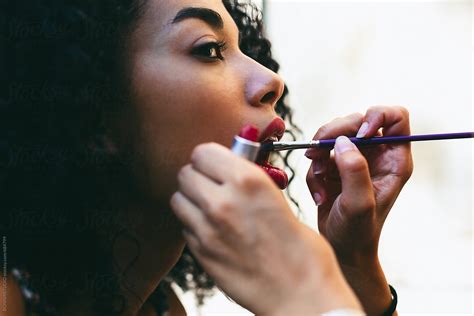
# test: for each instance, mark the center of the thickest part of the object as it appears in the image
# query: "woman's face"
(188, 90)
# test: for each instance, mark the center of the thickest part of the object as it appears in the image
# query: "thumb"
(357, 196)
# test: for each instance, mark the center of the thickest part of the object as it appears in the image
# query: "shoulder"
(11, 300)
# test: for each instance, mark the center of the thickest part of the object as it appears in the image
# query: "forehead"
(162, 12)
(154, 27)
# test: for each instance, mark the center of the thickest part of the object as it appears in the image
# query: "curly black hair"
(61, 67)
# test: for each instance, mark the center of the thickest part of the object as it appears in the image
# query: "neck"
(147, 252)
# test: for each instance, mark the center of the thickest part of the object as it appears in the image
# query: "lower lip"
(279, 176)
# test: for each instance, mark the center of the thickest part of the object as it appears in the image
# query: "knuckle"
(199, 152)
(206, 203)
(220, 211)
(360, 208)
(355, 120)
(183, 172)
(174, 200)
(376, 110)
(355, 162)
(213, 147)
(323, 130)
(403, 110)
(207, 238)
(180, 175)
(203, 151)
(368, 204)
(186, 169)
(380, 107)
(248, 180)
(336, 119)
(373, 108)
(357, 116)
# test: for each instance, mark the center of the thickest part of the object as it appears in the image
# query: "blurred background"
(340, 57)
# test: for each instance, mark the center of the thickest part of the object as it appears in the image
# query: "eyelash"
(204, 50)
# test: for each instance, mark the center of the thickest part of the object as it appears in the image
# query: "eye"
(211, 51)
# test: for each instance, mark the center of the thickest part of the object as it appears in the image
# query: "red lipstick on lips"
(274, 131)
(275, 128)
(249, 132)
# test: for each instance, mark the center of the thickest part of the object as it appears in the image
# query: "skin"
(176, 95)
(245, 235)
(159, 49)
(181, 100)
(356, 193)
(221, 209)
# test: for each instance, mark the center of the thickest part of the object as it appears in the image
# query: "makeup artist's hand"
(243, 232)
(355, 191)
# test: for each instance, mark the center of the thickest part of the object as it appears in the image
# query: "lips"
(275, 129)
(273, 132)
(278, 175)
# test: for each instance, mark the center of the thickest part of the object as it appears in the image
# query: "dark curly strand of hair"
(61, 65)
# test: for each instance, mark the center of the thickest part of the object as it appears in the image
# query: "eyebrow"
(211, 17)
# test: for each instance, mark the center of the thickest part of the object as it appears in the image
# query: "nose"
(264, 87)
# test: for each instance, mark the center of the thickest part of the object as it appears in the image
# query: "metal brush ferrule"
(277, 146)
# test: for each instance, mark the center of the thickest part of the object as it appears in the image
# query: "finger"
(191, 240)
(393, 119)
(188, 213)
(217, 162)
(332, 180)
(203, 240)
(315, 184)
(319, 166)
(204, 253)
(326, 186)
(197, 187)
(357, 196)
(348, 126)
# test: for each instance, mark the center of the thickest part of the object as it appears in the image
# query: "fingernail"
(363, 130)
(309, 152)
(343, 144)
(318, 167)
(317, 198)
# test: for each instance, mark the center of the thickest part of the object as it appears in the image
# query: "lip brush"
(329, 143)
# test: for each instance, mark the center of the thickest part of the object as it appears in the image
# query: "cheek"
(179, 106)
(188, 103)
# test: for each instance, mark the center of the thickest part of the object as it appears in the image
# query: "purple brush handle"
(329, 143)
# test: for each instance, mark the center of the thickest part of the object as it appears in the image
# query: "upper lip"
(274, 131)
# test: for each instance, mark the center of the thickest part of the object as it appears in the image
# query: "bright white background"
(339, 57)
